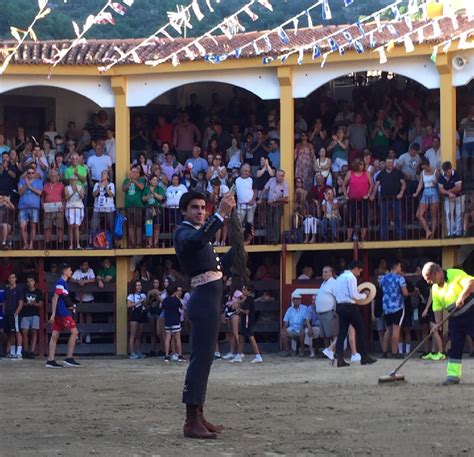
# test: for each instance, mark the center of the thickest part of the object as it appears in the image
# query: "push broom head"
(392, 377)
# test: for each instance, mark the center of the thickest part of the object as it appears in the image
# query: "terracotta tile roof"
(99, 52)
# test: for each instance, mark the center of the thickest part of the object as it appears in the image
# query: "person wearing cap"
(452, 287)
(199, 261)
(294, 324)
(346, 294)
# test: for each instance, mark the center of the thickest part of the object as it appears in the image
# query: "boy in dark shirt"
(30, 316)
(247, 323)
(12, 307)
(172, 307)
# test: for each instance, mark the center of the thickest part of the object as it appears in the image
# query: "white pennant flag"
(226, 31)
(128, 2)
(310, 21)
(436, 29)
(300, 56)
(378, 23)
(208, 3)
(447, 46)
(409, 47)
(408, 22)
(383, 56)
(197, 10)
(455, 22)
(266, 4)
(200, 48)
(175, 60)
(327, 15)
(250, 14)
(325, 57)
(295, 26)
(421, 36)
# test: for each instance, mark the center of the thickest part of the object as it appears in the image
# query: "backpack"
(119, 222)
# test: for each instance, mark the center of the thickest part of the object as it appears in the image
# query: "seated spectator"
(106, 274)
(104, 208)
(331, 217)
(267, 270)
(264, 173)
(429, 198)
(7, 210)
(246, 195)
(304, 165)
(174, 192)
(450, 187)
(74, 195)
(153, 198)
(29, 189)
(53, 205)
(316, 193)
(293, 325)
(133, 188)
(312, 330)
(144, 164)
(216, 170)
(234, 156)
(306, 275)
(136, 303)
(30, 316)
(299, 205)
(171, 166)
(196, 163)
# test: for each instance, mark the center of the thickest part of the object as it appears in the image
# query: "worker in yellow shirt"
(452, 287)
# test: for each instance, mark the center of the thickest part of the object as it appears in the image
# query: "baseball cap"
(295, 295)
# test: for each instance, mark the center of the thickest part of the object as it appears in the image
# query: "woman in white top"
(323, 165)
(74, 210)
(234, 156)
(104, 193)
(144, 164)
(173, 195)
(51, 132)
(216, 170)
(136, 303)
(429, 198)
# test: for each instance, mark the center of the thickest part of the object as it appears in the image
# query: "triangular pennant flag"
(295, 26)
(238, 53)
(256, 48)
(118, 8)
(347, 35)
(268, 43)
(390, 46)
(391, 28)
(378, 23)
(395, 12)
(104, 18)
(266, 60)
(300, 56)
(197, 10)
(358, 47)
(447, 46)
(333, 44)
(283, 58)
(128, 2)
(327, 15)
(412, 6)
(408, 22)
(208, 3)
(283, 36)
(361, 28)
(421, 36)
(266, 4)
(434, 55)
(436, 29)
(200, 48)
(310, 20)
(348, 2)
(342, 51)
(166, 34)
(383, 56)
(409, 47)
(454, 22)
(189, 54)
(226, 31)
(175, 60)
(316, 51)
(250, 13)
(372, 39)
(325, 57)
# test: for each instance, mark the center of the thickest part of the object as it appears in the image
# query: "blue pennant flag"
(333, 44)
(346, 34)
(348, 2)
(316, 51)
(267, 60)
(361, 29)
(327, 15)
(238, 53)
(358, 47)
(283, 36)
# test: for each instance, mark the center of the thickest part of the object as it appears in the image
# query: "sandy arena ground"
(304, 407)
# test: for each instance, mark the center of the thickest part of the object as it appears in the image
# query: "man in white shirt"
(294, 324)
(434, 155)
(98, 163)
(346, 294)
(246, 193)
(326, 309)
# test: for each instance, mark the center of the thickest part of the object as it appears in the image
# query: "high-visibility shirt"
(455, 281)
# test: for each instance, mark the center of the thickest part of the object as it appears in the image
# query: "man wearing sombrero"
(347, 296)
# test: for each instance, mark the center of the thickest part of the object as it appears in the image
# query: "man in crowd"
(294, 325)
(61, 319)
(392, 188)
(259, 148)
(274, 153)
(312, 329)
(196, 163)
(434, 154)
(97, 163)
(450, 186)
(409, 164)
(39, 159)
(394, 289)
(106, 274)
(12, 307)
(246, 193)
(466, 129)
(171, 166)
(133, 189)
(8, 177)
(277, 196)
(346, 294)
(30, 316)
(76, 168)
(185, 136)
(452, 287)
(52, 201)
(30, 189)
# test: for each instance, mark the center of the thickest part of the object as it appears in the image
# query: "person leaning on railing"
(74, 194)
(52, 200)
(103, 193)
(450, 187)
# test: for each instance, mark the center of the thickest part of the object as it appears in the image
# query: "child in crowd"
(310, 223)
(331, 216)
(247, 324)
(172, 307)
(232, 310)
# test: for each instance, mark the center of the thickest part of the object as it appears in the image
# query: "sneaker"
(312, 355)
(53, 364)
(367, 360)
(10, 356)
(229, 356)
(134, 356)
(88, 339)
(180, 358)
(174, 358)
(328, 353)
(451, 381)
(384, 355)
(236, 359)
(167, 359)
(257, 359)
(397, 356)
(18, 357)
(217, 356)
(285, 354)
(355, 357)
(140, 355)
(70, 362)
(438, 356)
(428, 356)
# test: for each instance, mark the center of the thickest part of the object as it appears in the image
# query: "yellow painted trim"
(290, 268)
(121, 314)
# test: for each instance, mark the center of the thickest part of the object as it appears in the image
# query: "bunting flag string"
(21, 35)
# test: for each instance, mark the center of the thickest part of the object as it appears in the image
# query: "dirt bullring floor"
(305, 407)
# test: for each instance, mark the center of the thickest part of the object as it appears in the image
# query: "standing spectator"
(84, 276)
(247, 323)
(247, 150)
(51, 131)
(346, 295)
(450, 187)
(259, 148)
(174, 192)
(59, 166)
(293, 325)
(338, 148)
(136, 303)
(144, 165)
(409, 163)
(78, 169)
(8, 178)
(428, 137)
(185, 136)
(12, 307)
(74, 195)
(153, 198)
(274, 153)
(110, 148)
(98, 163)
(61, 319)
(216, 170)
(392, 187)
(234, 157)
(153, 312)
(6, 217)
(133, 188)
(30, 189)
(357, 136)
(277, 189)
(304, 156)
(104, 206)
(138, 137)
(172, 308)
(264, 173)
(30, 316)
(39, 159)
(357, 186)
(318, 137)
(246, 193)
(222, 137)
(163, 132)
(466, 128)
(71, 147)
(232, 316)
(394, 288)
(196, 163)
(429, 198)
(399, 136)
(417, 132)
(323, 165)
(379, 131)
(171, 166)
(53, 205)
(20, 140)
(434, 154)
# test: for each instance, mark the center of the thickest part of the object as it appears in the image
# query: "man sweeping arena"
(452, 287)
(199, 260)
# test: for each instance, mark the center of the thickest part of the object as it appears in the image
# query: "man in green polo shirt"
(450, 287)
(76, 168)
(134, 206)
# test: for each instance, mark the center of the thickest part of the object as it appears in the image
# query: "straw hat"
(369, 289)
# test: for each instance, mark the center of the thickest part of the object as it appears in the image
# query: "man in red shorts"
(61, 320)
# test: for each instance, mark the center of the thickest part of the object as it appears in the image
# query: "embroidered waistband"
(205, 278)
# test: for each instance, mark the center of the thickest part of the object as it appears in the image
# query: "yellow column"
(448, 108)
(449, 257)
(287, 135)
(122, 135)
(121, 317)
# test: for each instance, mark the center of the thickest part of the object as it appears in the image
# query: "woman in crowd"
(319, 136)
(323, 166)
(104, 206)
(264, 173)
(232, 315)
(216, 170)
(136, 303)
(15, 160)
(304, 156)
(19, 142)
(51, 132)
(331, 217)
(144, 164)
(212, 148)
(153, 314)
(300, 203)
(358, 185)
(174, 193)
(339, 148)
(48, 150)
(153, 197)
(59, 166)
(234, 157)
(428, 183)
(142, 275)
(74, 194)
